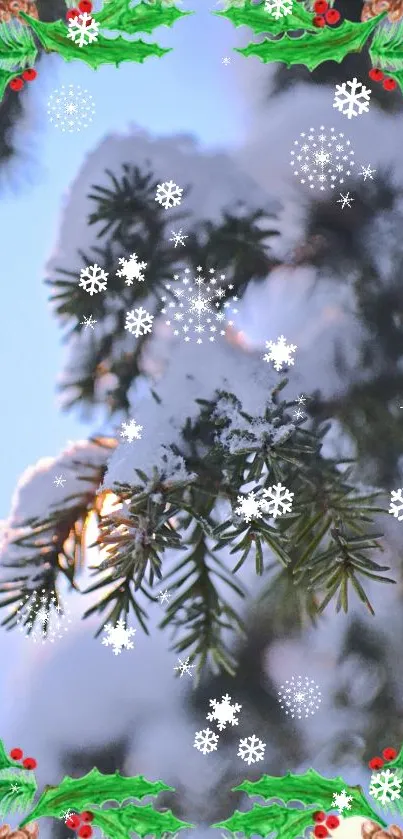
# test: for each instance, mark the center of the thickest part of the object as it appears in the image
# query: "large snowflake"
(118, 637)
(196, 306)
(385, 786)
(131, 269)
(341, 801)
(279, 353)
(276, 500)
(322, 159)
(206, 741)
(248, 507)
(131, 430)
(352, 98)
(83, 29)
(71, 108)
(396, 504)
(168, 194)
(139, 322)
(278, 8)
(299, 697)
(251, 749)
(41, 618)
(93, 279)
(223, 712)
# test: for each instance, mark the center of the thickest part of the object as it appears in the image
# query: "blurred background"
(223, 131)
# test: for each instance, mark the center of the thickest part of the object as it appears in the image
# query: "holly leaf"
(386, 50)
(93, 789)
(120, 824)
(309, 788)
(5, 79)
(119, 15)
(274, 821)
(5, 760)
(17, 791)
(313, 48)
(260, 21)
(53, 37)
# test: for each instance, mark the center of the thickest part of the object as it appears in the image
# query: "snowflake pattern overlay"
(223, 712)
(278, 8)
(345, 200)
(83, 29)
(299, 697)
(131, 269)
(276, 500)
(385, 786)
(322, 159)
(42, 619)
(196, 306)
(93, 279)
(251, 749)
(396, 504)
(341, 801)
(280, 353)
(168, 194)
(352, 98)
(131, 430)
(184, 667)
(71, 108)
(206, 741)
(118, 637)
(139, 322)
(248, 507)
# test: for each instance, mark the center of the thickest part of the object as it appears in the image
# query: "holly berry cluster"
(84, 6)
(28, 76)
(324, 15)
(323, 822)
(18, 754)
(80, 823)
(378, 76)
(388, 755)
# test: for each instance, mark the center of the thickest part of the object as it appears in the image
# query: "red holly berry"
(319, 816)
(85, 6)
(375, 74)
(73, 821)
(320, 7)
(29, 75)
(332, 16)
(16, 754)
(375, 763)
(332, 822)
(85, 831)
(389, 84)
(86, 816)
(389, 753)
(319, 21)
(320, 831)
(72, 13)
(29, 763)
(16, 84)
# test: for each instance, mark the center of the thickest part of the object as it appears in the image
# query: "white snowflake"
(132, 269)
(276, 500)
(164, 596)
(88, 322)
(322, 158)
(248, 507)
(118, 637)
(168, 194)
(345, 200)
(83, 29)
(226, 60)
(205, 741)
(71, 108)
(298, 414)
(93, 279)
(278, 8)
(42, 618)
(65, 816)
(178, 238)
(367, 172)
(280, 353)
(354, 101)
(299, 697)
(184, 667)
(251, 749)
(59, 481)
(139, 322)
(385, 786)
(396, 503)
(223, 712)
(342, 801)
(198, 305)
(131, 430)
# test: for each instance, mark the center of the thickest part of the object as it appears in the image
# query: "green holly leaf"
(121, 16)
(143, 821)
(5, 760)
(274, 821)
(260, 21)
(386, 50)
(309, 789)
(312, 49)
(93, 789)
(17, 791)
(53, 37)
(5, 79)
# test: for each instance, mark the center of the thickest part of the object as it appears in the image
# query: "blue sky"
(161, 96)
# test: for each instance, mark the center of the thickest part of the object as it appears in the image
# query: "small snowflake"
(251, 749)
(168, 194)
(354, 101)
(118, 637)
(88, 322)
(178, 238)
(198, 308)
(42, 618)
(223, 712)
(131, 269)
(298, 414)
(301, 399)
(278, 8)
(67, 815)
(205, 741)
(59, 481)
(396, 504)
(280, 353)
(83, 29)
(345, 200)
(385, 786)
(139, 322)
(367, 172)
(248, 507)
(71, 108)
(226, 60)
(342, 801)
(299, 697)
(322, 158)
(131, 430)
(14, 788)
(276, 500)
(185, 667)
(164, 596)
(93, 279)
